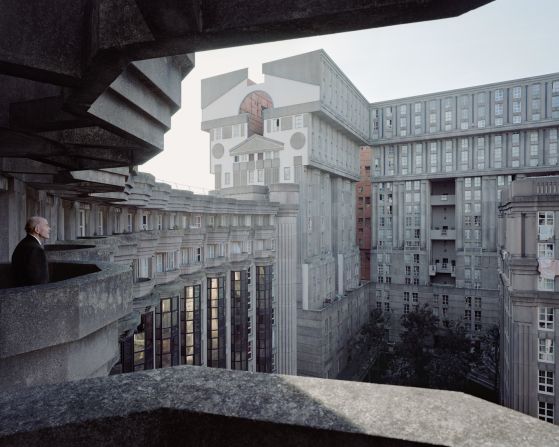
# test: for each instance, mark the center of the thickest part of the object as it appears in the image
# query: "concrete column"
(401, 206)
(425, 221)
(76, 226)
(489, 213)
(60, 223)
(204, 320)
(13, 216)
(227, 319)
(459, 217)
(374, 215)
(288, 196)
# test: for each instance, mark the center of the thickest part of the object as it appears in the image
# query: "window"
(545, 250)
(546, 350)
(499, 95)
(445, 300)
(545, 382)
(546, 285)
(227, 179)
(516, 92)
(555, 87)
(545, 411)
(545, 318)
(545, 225)
(287, 173)
(516, 107)
(498, 109)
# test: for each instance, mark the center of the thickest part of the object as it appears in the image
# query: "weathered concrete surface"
(63, 330)
(198, 406)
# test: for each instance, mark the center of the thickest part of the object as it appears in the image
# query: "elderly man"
(29, 262)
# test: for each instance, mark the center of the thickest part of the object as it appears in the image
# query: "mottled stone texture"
(203, 406)
(64, 330)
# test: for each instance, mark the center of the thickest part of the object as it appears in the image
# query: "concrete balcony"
(187, 269)
(442, 268)
(215, 262)
(143, 286)
(443, 200)
(64, 330)
(239, 257)
(65, 252)
(166, 277)
(198, 406)
(264, 253)
(443, 234)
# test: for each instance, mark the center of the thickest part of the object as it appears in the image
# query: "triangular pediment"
(256, 143)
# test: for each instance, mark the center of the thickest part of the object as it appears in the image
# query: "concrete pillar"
(459, 217)
(489, 213)
(61, 220)
(227, 318)
(288, 196)
(13, 216)
(401, 206)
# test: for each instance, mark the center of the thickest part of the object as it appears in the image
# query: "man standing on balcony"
(29, 261)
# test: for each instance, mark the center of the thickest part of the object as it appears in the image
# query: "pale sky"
(506, 39)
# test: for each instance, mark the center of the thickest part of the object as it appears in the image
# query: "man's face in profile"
(43, 229)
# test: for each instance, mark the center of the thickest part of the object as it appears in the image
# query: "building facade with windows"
(204, 288)
(301, 128)
(364, 211)
(440, 163)
(529, 281)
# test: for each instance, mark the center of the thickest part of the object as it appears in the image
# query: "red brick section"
(364, 216)
(253, 104)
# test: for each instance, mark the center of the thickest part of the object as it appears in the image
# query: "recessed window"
(546, 351)
(545, 411)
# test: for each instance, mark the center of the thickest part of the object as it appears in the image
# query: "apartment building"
(529, 282)
(364, 211)
(303, 128)
(203, 267)
(440, 163)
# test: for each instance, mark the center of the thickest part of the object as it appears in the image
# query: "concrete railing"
(66, 329)
(199, 406)
(531, 186)
(443, 200)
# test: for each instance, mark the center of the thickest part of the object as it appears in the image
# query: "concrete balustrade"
(198, 406)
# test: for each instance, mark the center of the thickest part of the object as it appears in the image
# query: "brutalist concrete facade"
(440, 164)
(309, 140)
(529, 283)
(364, 211)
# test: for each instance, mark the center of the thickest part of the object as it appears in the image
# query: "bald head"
(38, 226)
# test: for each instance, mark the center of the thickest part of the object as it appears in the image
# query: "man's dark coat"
(29, 263)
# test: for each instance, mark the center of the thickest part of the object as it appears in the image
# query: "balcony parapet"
(227, 408)
(63, 330)
(443, 200)
(78, 252)
(444, 234)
